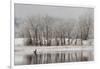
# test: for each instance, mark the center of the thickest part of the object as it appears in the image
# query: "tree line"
(50, 31)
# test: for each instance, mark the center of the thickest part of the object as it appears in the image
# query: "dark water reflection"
(45, 58)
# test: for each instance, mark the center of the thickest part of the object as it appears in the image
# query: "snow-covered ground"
(27, 50)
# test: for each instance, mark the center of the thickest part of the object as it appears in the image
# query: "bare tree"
(69, 28)
(85, 25)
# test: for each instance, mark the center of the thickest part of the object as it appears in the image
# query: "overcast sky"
(63, 12)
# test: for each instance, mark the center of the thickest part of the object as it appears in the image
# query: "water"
(45, 58)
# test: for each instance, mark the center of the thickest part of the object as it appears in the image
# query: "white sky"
(64, 12)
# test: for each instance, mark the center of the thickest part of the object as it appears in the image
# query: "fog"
(64, 12)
